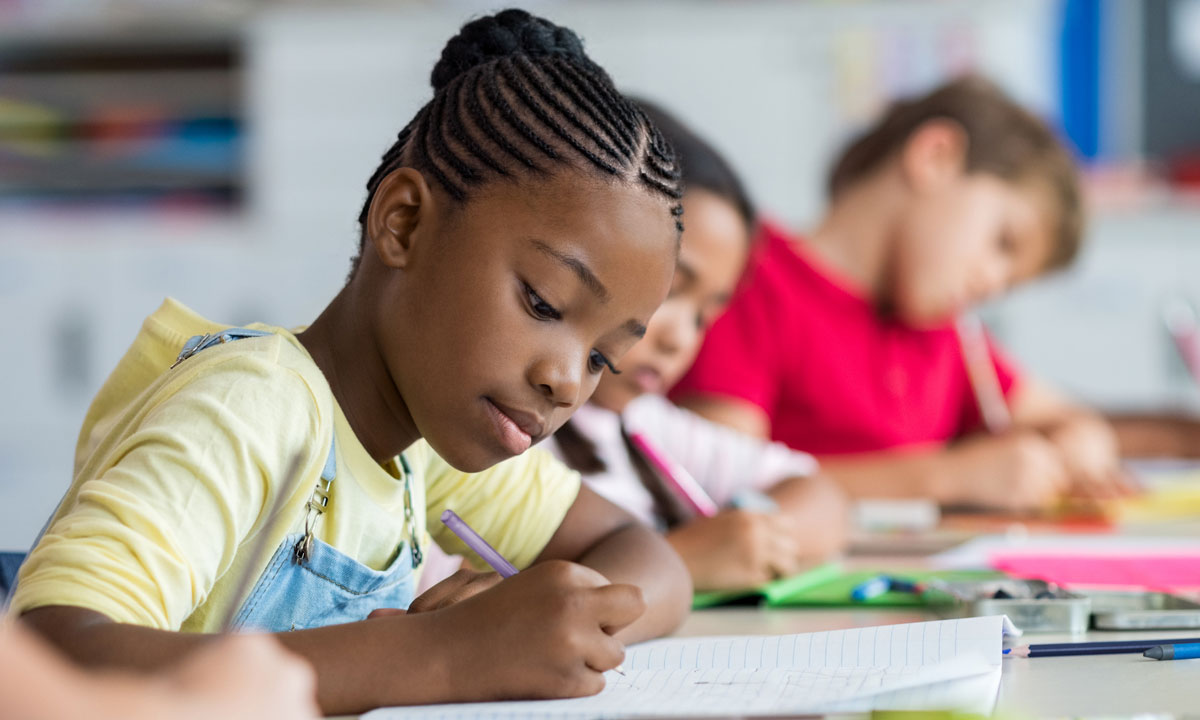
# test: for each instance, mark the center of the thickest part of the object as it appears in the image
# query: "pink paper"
(1166, 572)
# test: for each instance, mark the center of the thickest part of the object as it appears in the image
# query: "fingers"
(587, 681)
(1127, 484)
(616, 606)
(385, 612)
(454, 589)
(565, 574)
(1043, 472)
(605, 653)
(1055, 470)
(784, 555)
(1109, 486)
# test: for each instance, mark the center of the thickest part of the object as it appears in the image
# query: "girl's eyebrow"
(634, 328)
(577, 266)
(589, 279)
(682, 265)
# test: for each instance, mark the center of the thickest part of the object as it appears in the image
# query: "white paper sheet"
(978, 553)
(949, 664)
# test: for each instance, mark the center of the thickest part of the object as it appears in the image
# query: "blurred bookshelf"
(122, 119)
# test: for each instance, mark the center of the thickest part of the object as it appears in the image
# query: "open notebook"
(949, 664)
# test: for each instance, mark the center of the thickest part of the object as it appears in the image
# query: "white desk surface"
(1093, 685)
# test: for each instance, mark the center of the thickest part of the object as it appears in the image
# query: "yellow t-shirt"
(175, 470)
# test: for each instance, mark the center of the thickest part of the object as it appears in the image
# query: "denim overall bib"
(308, 583)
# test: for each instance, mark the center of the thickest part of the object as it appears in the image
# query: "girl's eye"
(597, 362)
(1006, 243)
(678, 283)
(540, 308)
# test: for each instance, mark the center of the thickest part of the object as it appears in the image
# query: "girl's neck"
(855, 237)
(342, 344)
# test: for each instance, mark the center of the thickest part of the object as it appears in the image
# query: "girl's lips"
(510, 434)
(647, 379)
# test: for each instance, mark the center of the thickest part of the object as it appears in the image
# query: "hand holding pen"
(621, 604)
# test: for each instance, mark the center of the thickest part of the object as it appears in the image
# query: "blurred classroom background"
(217, 152)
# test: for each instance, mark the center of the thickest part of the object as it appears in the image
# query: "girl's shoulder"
(271, 365)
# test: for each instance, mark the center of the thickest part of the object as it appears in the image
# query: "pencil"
(1104, 647)
(1180, 319)
(981, 372)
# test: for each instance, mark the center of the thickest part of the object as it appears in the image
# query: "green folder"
(771, 593)
(829, 586)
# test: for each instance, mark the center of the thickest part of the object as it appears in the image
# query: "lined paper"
(948, 664)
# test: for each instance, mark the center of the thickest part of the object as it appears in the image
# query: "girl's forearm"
(359, 666)
(1157, 435)
(912, 474)
(800, 495)
(398, 660)
(820, 510)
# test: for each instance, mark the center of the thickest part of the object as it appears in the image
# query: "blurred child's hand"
(454, 589)
(819, 514)
(737, 549)
(1019, 470)
(241, 676)
(1089, 450)
(546, 632)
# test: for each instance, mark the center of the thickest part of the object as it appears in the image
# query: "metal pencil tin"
(1142, 611)
(1032, 605)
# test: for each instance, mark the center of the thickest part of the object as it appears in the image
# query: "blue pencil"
(868, 589)
(1105, 647)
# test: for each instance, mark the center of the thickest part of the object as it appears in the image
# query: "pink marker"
(981, 372)
(678, 478)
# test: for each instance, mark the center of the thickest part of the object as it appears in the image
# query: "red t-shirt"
(832, 374)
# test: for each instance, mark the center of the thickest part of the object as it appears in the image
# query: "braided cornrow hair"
(516, 95)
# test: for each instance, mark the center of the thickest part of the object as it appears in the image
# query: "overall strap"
(319, 500)
(196, 343)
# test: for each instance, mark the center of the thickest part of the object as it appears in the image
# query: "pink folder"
(1164, 571)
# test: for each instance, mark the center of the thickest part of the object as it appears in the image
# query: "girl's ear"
(935, 153)
(402, 201)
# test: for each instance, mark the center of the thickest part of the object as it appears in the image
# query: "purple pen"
(459, 527)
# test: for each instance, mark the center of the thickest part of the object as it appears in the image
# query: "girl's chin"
(929, 317)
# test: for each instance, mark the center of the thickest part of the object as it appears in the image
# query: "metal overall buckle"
(315, 509)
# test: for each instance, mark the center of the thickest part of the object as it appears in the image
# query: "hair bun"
(509, 32)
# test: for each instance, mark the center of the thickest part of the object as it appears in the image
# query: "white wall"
(777, 85)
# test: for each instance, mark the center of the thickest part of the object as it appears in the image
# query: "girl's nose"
(557, 378)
